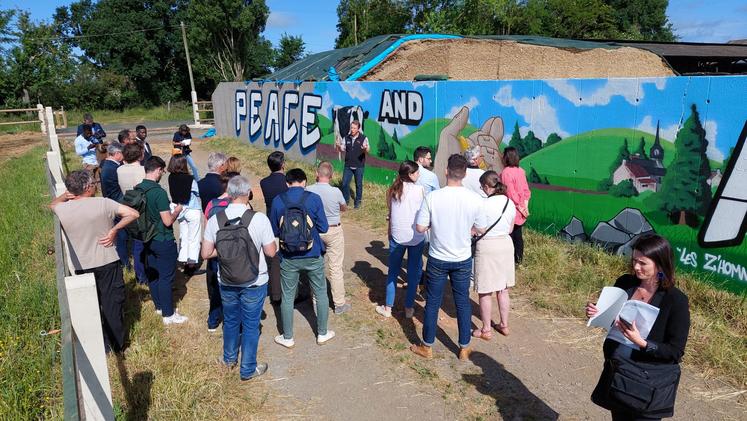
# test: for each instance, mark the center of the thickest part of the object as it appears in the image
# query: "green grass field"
(178, 111)
(30, 383)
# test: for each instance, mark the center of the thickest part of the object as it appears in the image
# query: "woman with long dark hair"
(639, 380)
(403, 199)
(184, 191)
(517, 189)
(494, 255)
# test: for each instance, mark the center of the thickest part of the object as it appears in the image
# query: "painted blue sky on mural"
(568, 107)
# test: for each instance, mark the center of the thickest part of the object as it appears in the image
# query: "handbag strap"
(479, 237)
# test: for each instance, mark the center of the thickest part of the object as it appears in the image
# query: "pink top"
(515, 180)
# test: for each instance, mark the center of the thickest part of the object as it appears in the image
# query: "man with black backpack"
(297, 219)
(240, 238)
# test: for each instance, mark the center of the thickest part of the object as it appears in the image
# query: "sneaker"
(384, 311)
(288, 343)
(343, 308)
(260, 370)
(322, 339)
(159, 312)
(175, 319)
(212, 329)
(409, 312)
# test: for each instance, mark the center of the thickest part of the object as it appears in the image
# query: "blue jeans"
(192, 166)
(138, 256)
(121, 246)
(242, 309)
(123, 252)
(160, 269)
(435, 281)
(215, 313)
(414, 270)
(347, 175)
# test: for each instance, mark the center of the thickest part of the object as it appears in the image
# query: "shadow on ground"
(513, 400)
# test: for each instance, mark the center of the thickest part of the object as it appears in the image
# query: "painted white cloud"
(541, 116)
(326, 109)
(711, 128)
(423, 83)
(668, 133)
(471, 104)
(402, 129)
(628, 89)
(356, 91)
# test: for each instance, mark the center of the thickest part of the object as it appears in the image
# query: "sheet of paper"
(611, 300)
(644, 316)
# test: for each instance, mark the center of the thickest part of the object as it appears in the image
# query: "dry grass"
(559, 278)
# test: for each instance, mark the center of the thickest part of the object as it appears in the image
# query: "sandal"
(482, 334)
(503, 330)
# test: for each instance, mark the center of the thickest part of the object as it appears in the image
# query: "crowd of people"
(469, 230)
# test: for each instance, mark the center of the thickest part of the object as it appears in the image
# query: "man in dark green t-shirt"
(160, 252)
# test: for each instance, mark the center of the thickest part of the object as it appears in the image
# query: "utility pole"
(355, 29)
(193, 94)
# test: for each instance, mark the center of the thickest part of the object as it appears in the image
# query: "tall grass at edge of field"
(30, 382)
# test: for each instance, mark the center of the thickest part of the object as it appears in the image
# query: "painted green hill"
(584, 160)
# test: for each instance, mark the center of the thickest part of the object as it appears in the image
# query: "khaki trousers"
(334, 240)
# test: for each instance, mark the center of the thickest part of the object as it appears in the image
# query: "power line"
(61, 37)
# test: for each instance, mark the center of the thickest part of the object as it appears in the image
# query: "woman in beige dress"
(494, 255)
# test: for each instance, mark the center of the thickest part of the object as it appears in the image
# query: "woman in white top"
(404, 198)
(494, 254)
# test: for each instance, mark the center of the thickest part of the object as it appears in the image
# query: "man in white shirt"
(242, 303)
(428, 179)
(450, 214)
(333, 239)
(474, 172)
(86, 149)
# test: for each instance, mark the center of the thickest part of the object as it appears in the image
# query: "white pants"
(190, 227)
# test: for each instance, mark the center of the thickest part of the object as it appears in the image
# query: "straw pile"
(474, 59)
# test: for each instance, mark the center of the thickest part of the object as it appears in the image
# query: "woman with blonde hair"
(494, 255)
(233, 165)
(404, 199)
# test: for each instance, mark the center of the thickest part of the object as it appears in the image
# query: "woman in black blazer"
(634, 383)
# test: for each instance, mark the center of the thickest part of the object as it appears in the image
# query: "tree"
(39, 64)
(624, 188)
(226, 36)
(383, 150)
(622, 155)
(290, 49)
(642, 19)
(552, 139)
(358, 20)
(684, 189)
(641, 151)
(138, 40)
(392, 149)
(515, 141)
(531, 143)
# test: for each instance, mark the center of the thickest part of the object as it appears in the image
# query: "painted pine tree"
(684, 189)
(515, 141)
(641, 151)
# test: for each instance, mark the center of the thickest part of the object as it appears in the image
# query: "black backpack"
(237, 254)
(295, 226)
(143, 228)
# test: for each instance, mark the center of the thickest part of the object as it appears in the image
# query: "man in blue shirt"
(85, 147)
(96, 130)
(111, 190)
(311, 262)
(428, 179)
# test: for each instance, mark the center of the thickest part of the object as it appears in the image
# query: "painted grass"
(559, 278)
(30, 382)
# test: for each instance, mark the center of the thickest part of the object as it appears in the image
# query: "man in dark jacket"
(356, 147)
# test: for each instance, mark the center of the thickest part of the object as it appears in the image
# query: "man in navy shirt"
(111, 190)
(142, 133)
(310, 262)
(210, 186)
(96, 129)
(273, 185)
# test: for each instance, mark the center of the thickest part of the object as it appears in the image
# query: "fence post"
(54, 142)
(40, 110)
(64, 117)
(90, 359)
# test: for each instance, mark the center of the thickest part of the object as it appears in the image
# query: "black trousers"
(110, 289)
(518, 240)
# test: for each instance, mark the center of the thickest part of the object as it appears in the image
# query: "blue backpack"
(295, 226)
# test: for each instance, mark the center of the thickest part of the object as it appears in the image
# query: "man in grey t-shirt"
(333, 239)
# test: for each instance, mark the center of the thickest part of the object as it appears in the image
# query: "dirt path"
(546, 369)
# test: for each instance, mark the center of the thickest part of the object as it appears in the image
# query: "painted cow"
(343, 116)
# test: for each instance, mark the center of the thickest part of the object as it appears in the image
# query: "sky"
(315, 21)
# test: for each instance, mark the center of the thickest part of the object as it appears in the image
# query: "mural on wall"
(607, 159)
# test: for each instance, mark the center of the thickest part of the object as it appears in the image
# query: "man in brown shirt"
(88, 223)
